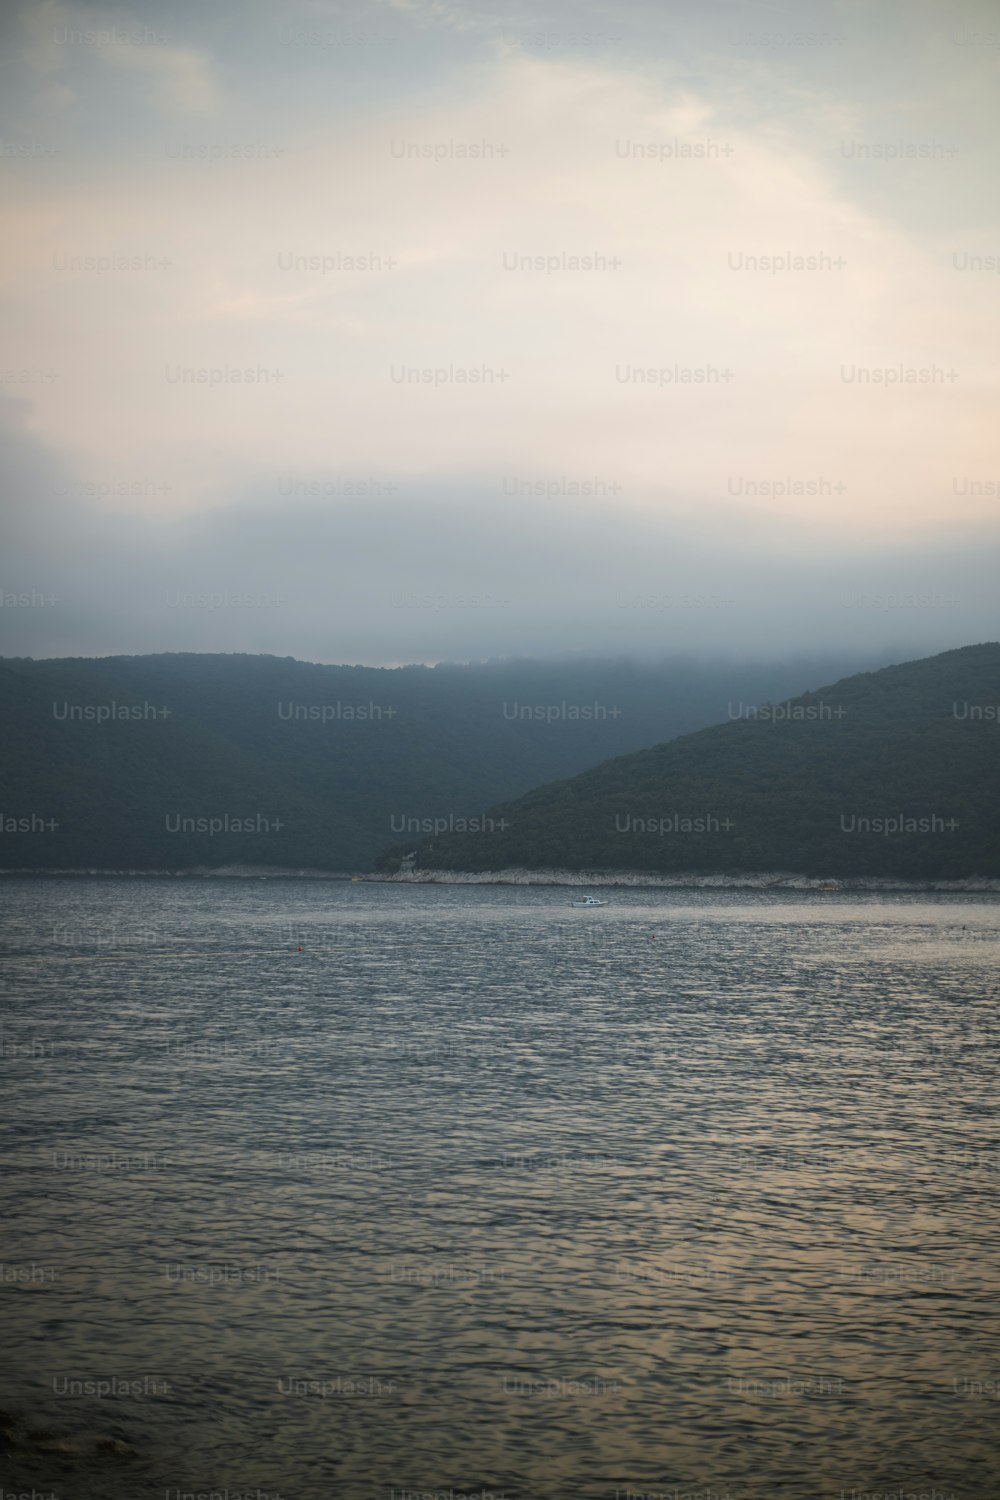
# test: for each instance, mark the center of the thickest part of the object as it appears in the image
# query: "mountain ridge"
(304, 765)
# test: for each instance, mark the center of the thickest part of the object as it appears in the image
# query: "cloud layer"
(704, 277)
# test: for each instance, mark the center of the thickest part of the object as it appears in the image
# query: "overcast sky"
(613, 326)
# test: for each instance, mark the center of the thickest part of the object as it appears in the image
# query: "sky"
(407, 330)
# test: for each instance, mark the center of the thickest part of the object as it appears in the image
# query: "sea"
(320, 1189)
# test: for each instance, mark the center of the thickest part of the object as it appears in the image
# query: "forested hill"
(176, 761)
(894, 772)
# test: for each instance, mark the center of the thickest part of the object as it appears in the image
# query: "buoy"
(300, 950)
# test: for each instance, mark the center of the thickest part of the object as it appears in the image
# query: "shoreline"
(781, 880)
(201, 872)
(642, 879)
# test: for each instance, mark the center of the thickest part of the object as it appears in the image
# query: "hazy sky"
(735, 268)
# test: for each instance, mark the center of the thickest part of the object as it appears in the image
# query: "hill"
(182, 760)
(894, 772)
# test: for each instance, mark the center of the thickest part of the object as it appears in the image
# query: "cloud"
(549, 268)
(56, 38)
(354, 568)
(563, 357)
(182, 78)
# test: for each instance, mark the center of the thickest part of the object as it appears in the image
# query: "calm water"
(695, 1194)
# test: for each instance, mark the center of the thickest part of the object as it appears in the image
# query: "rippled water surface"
(696, 1193)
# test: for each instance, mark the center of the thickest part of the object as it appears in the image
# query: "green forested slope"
(786, 792)
(458, 739)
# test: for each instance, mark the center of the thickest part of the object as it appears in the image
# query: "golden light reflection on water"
(478, 1201)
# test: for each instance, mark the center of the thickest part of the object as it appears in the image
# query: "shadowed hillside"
(894, 772)
(180, 761)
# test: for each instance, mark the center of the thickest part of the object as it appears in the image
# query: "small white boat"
(590, 901)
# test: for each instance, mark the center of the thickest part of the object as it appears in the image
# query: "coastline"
(639, 879)
(200, 872)
(749, 880)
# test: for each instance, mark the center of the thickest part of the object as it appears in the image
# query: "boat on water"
(590, 901)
